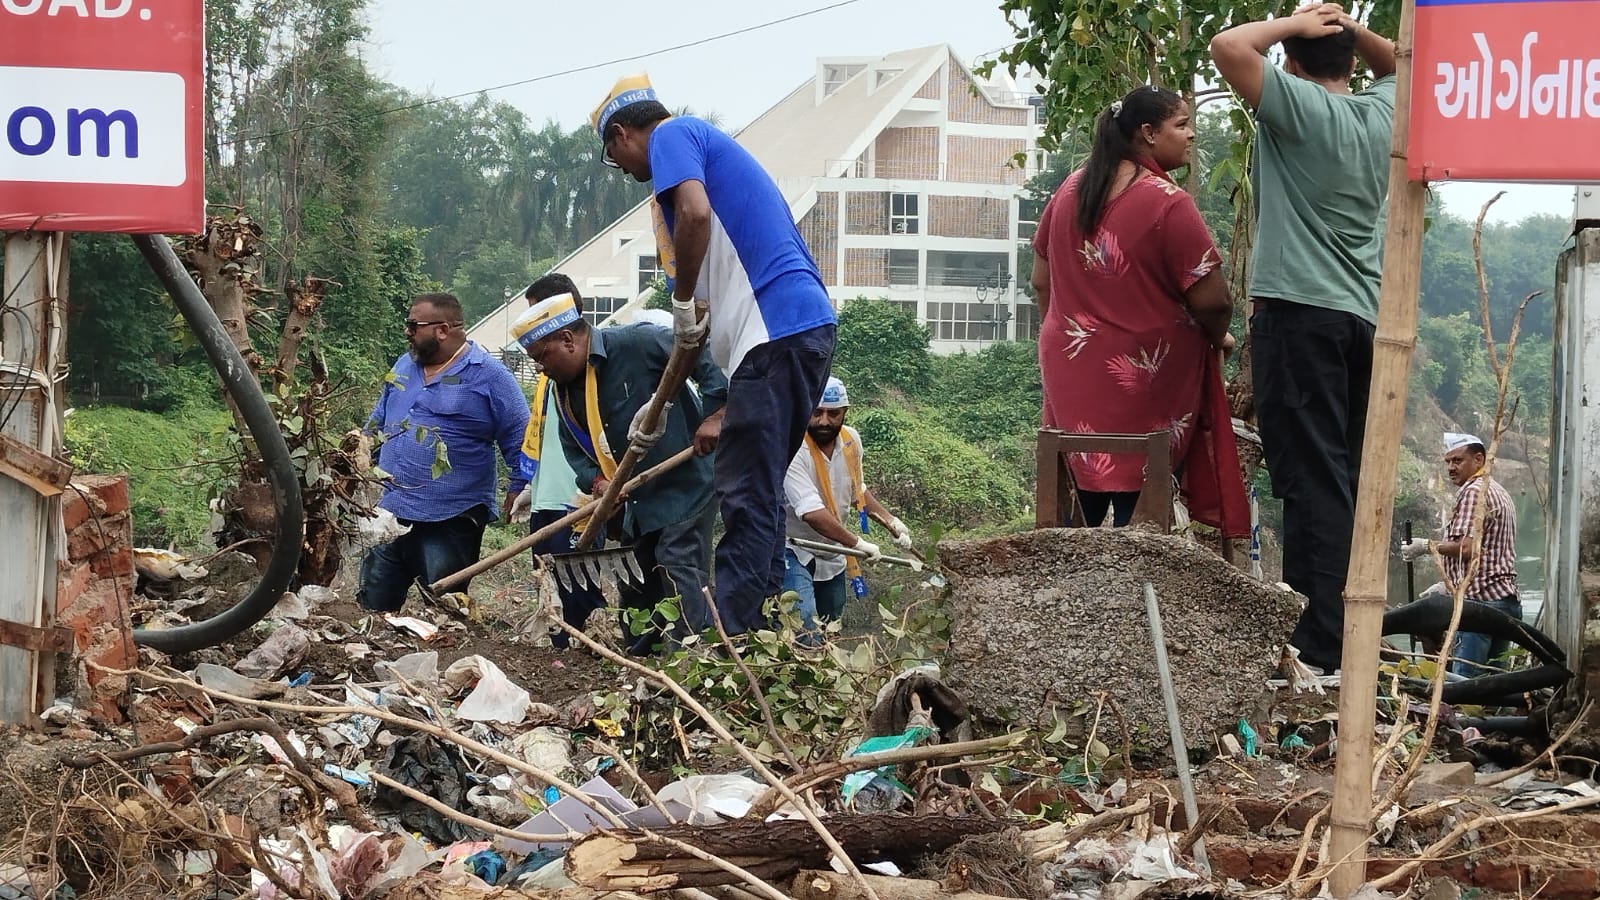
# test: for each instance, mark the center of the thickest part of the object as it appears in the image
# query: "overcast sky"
(444, 49)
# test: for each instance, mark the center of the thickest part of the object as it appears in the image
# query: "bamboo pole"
(1367, 584)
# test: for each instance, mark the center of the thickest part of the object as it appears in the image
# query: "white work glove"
(1437, 589)
(902, 534)
(870, 549)
(687, 326)
(522, 507)
(636, 435)
(1410, 550)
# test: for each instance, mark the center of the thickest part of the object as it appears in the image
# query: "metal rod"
(1180, 749)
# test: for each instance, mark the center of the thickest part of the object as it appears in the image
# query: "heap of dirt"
(1044, 620)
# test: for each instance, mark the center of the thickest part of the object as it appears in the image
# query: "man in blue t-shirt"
(730, 250)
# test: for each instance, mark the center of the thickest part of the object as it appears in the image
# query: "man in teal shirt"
(1320, 176)
(550, 492)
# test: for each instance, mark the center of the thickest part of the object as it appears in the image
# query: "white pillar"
(32, 343)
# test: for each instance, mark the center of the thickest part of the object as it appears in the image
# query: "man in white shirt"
(823, 484)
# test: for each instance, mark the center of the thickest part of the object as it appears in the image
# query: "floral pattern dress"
(1118, 350)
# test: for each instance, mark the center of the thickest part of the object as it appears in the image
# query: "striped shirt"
(1496, 575)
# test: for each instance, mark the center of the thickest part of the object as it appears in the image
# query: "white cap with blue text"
(834, 396)
(1453, 441)
(544, 318)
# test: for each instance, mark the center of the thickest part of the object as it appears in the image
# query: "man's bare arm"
(828, 525)
(1238, 52)
(691, 235)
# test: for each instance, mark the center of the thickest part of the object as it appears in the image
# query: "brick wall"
(820, 230)
(969, 217)
(907, 153)
(866, 212)
(930, 90)
(866, 267)
(967, 105)
(983, 160)
(94, 586)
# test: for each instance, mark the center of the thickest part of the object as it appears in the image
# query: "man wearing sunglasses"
(728, 244)
(445, 409)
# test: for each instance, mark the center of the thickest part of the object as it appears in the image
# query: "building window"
(988, 272)
(834, 77)
(595, 309)
(964, 321)
(1027, 322)
(903, 269)
(903, 215)
(649, 271)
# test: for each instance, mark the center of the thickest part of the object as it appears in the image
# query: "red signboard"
(1507, 90)
(100, 115)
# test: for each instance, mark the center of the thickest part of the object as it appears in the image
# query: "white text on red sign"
(1566, 89)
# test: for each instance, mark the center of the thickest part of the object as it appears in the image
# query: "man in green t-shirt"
(1320, 174)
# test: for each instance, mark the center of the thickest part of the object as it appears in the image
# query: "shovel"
(431, 591)
(914, 565)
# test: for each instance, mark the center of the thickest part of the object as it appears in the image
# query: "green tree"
(881, 346)
(482, 283)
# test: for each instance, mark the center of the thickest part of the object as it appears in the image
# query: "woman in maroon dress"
(1134, 311)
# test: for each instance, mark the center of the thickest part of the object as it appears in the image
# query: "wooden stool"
(1056, 493)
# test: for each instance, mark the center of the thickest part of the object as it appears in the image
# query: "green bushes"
(926, 473)
(167, 490)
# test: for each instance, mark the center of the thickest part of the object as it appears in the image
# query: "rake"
(620, 563)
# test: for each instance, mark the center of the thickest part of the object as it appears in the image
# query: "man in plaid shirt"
(1494, 582)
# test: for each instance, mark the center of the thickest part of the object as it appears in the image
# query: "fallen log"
(627, 860)
(825, 885)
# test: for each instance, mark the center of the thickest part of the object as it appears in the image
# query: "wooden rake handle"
(679, 365)
(588, 509)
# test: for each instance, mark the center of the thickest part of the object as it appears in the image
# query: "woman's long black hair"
(1113, 143)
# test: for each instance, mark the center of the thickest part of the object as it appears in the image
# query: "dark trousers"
(674, 561)
(1096, 504)
(430, 550)
(1311, 369)
(578, 602)
(770, 401)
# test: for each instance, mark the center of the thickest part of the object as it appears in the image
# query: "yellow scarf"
(533, 435)
(597, 448)
(819, 470)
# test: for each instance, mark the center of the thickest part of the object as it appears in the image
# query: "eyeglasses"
(412, 324)
(605, 151)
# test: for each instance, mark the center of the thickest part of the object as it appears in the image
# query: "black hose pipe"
(240, 384)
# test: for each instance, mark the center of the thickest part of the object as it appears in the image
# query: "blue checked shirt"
(472, 407)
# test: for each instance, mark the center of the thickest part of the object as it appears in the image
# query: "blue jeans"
(1472, 648)
(818, 599)
(771, 397)
(430, 550)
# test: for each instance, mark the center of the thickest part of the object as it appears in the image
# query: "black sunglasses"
(413, 324)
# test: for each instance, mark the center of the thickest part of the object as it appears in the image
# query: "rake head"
(591, 568)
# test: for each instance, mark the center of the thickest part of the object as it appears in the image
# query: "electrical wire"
(345, 120)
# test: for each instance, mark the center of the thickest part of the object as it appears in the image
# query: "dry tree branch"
(1549, 752)
(470, 821)
(768, 802)
(1437, 848)
(1103, 820)
(390, 718)
(343, 794)
(750, 679)
(1474, 538)
(633, 773)
(745, 753)
(1483, 281)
